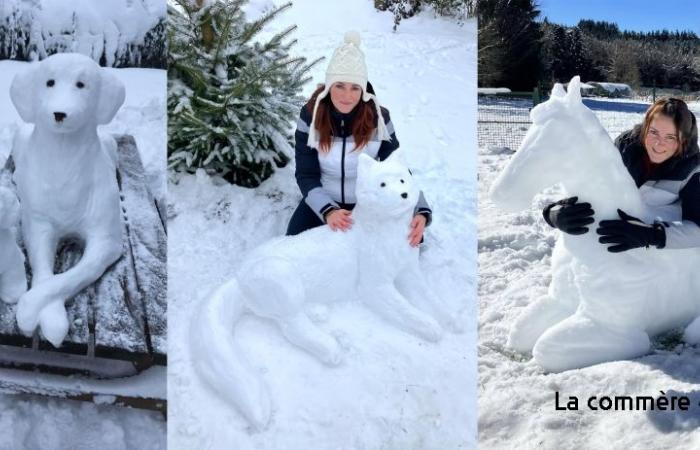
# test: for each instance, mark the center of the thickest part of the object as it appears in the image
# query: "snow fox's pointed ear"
(364, 164)
(23, 91)
(394, 157)
(573, 95)
(111, 97)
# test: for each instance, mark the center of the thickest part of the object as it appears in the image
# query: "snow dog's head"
(66, 92)
(9, 208)
(386, 188)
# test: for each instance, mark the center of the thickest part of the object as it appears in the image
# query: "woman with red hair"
(342, 119)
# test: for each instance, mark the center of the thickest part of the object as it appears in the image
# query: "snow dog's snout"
(59, 116)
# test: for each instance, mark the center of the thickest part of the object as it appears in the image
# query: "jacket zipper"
(342, 164)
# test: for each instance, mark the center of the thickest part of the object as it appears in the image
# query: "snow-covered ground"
(516, 400)
(37, 423)
(393, 391)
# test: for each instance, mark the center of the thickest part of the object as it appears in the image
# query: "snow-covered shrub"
(232, 99)
(116, 33)
(403, 9)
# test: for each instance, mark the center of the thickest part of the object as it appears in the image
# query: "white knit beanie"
(348, 65)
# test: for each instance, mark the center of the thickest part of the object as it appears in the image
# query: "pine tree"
(231, 98)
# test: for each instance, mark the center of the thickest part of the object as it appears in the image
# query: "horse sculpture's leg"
(560, 302)
(692, 332)
(278, 293)
(539, 316)
(580, 341)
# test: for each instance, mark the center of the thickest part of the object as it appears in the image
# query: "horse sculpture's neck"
(601, 178)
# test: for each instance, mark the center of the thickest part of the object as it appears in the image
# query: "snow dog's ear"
(23, 91)
(111, 97)
(394, 157)
(365, 164)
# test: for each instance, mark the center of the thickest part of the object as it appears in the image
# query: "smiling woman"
(329, 137)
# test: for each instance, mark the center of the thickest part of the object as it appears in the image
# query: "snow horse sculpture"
(600, 306)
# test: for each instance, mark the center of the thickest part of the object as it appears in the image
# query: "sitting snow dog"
(65, 174)
(372, 261)
(13, 278)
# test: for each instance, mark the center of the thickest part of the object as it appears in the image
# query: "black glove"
(569, 216)
(630, 233)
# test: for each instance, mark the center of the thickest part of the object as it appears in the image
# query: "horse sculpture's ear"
(574, 92)
(111, 97)
(23, 91)
(558, 90)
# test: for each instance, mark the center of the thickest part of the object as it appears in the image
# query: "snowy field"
(393, 390)
(516, 400)
(37, 423)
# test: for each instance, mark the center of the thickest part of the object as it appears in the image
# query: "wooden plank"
(123, 314)
(148, 242)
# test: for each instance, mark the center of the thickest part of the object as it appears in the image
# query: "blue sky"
(633, 15)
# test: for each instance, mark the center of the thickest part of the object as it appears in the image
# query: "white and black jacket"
(328, 179)
(672, 189)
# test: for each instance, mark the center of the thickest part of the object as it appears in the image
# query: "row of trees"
(517, 51)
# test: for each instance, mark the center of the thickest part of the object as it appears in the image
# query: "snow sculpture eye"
(80, 84)
(383, 184)
(401, 181)
(50, 83)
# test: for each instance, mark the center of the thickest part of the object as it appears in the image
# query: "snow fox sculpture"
(13, 278)
(372, 261)
(66, 181)
(601, 306)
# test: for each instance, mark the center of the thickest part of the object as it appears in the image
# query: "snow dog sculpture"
(65, 174)
(13, 278)
(600, 306)
(372, 261)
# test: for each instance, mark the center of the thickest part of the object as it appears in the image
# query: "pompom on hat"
(347, 65)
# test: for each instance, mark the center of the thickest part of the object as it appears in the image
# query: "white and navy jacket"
(672, 190)
(328, 179)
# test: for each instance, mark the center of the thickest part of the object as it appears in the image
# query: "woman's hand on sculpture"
(417, 228)
(339, 220)
(569, 216)
(629, 232)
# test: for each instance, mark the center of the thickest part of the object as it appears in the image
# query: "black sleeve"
(690, 199)
(387, 147)
(308, 170)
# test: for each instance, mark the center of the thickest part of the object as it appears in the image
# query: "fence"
(503, 119)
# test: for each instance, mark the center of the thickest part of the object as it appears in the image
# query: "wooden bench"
(122, 316)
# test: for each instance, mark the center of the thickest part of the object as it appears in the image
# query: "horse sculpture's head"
(556, 145)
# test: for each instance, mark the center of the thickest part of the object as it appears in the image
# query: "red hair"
(363, 125)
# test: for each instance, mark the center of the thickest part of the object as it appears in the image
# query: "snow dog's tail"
(218, 360)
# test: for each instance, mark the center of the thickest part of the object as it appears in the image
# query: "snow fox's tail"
(219, 361)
